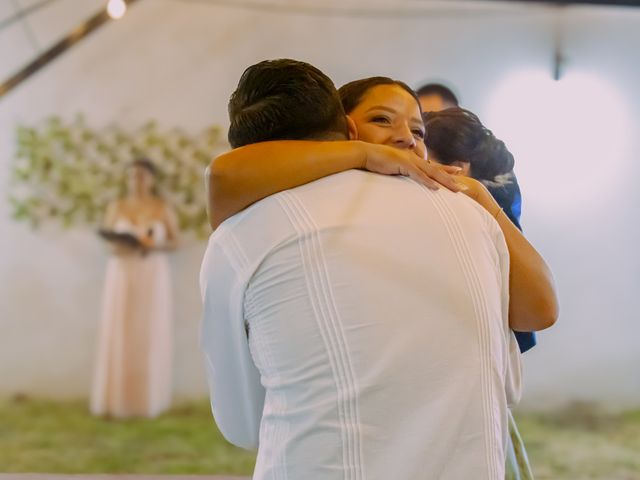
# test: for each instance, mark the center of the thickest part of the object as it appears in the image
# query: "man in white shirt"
(347, 336)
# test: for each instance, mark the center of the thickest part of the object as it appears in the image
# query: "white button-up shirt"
(356, 328)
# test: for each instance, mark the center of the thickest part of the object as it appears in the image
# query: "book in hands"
(122, 238)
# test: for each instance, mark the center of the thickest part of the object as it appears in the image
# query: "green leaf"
(67, 171)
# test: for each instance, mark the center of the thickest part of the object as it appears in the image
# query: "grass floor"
(61, 437)
(55, 437)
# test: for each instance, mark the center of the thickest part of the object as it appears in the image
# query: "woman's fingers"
(471, 187)
(391, 161)
(421, 177)
(452, 169)
(440, 175)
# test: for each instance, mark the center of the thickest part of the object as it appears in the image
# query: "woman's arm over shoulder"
(533, 302)
(240, 177)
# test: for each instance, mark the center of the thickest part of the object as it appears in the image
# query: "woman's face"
(389, 115)
(140, 181)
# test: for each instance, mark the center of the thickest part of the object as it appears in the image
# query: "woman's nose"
(404, 138)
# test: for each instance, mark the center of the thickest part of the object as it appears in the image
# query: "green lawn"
(55, 437)
(61, 437)
(582, 443)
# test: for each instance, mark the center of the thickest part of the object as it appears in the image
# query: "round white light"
(567, 136)
(116, 8)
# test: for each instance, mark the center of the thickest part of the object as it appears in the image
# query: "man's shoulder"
(274, 205)
(253, 232)
(351, 185)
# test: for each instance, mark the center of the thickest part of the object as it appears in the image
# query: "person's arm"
(171, 221)
(108, 223)
(237, 396)
(171, 224)
(111, 215)
(241, 177)
(533, 303)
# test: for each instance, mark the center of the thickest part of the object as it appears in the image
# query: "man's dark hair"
(352, 93)
(456, 134)
(438, 89)
(285, 100)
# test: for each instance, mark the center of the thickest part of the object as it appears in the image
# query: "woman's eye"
(380, 119)
(419, 133)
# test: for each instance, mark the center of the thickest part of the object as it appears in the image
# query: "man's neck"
(330, 137)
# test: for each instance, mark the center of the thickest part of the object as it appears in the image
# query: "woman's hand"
(478, 192)
(146, 243)
(388, 160)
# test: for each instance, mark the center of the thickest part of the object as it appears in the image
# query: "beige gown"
(134, 361)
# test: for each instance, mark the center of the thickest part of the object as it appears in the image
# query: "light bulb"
(116, 8)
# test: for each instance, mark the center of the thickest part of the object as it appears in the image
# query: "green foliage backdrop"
(68, 172)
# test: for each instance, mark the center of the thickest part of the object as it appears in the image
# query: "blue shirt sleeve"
(510, 200)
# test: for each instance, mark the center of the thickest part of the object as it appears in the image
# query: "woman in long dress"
(134, 361)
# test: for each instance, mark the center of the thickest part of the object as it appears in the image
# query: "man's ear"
(352, 129)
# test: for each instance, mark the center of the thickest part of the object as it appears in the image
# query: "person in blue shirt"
(457, 137)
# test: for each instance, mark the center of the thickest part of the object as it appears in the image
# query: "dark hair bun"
(458, 135)
(491, 159)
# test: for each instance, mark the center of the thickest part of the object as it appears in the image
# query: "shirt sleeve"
(237, 395)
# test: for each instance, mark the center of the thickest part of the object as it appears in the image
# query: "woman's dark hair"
(145, 163)
(456, 134)
(352, 93)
